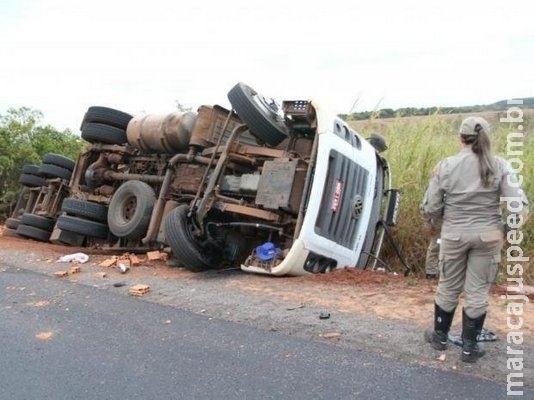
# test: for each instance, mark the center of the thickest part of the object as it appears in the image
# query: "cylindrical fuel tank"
(156, 133)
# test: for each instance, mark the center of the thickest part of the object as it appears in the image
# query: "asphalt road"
(61, 340)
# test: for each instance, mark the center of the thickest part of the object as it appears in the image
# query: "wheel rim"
(269, 106)
(129, 207)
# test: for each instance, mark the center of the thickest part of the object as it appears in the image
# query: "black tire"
(33, 233)
(82, 226)
(86, 209)
(37, 221)
(106, 116)
(71, 238)
(100, 133)
(12, 223)
(59, 160)
(260, 114)
(53, 171)
(32, 180)
(30, 169)
(130, 209)
(184, 248)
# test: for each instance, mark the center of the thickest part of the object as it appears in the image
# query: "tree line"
(414, 111)
(24, 140)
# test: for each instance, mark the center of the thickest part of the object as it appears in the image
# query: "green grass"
(416, 144)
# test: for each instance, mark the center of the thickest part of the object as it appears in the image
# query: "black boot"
(438, 336)
(471, 328)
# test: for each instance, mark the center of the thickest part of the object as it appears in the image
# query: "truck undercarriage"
(274, 189)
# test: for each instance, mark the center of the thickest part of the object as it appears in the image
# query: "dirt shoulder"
(368, 311)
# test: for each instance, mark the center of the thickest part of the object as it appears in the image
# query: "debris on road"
(129, 259)
(101, 275)
(109, 262)
(330, 335)
(139, 290)
(61, 274)
(40, 303)
(295, 308)
(123, 268)
(123, 263)
(484, 336)
(156, 255)
(324, 315)
(75, 269)
(77, 257)
(125, 260)
(44, 335)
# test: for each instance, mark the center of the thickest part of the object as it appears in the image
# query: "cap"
(472, 125)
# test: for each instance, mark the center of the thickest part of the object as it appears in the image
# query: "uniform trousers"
(469, 262)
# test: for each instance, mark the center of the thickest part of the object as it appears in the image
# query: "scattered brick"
(109, 262)
(138, 290)
(75, 269)
(125, 259)
(153, 255)
(134, 259)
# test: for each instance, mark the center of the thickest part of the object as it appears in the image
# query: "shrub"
(416, 144)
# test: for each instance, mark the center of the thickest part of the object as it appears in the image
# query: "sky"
(63, 56)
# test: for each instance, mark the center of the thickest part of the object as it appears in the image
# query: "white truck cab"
(339, 205)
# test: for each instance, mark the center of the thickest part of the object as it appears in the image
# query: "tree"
(24, 141)
(46, 139)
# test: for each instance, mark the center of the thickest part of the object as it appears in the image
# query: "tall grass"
(416, 144)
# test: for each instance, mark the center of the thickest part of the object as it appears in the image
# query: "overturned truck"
(279, 189)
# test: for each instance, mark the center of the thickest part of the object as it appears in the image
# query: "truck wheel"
(106, 116)
(37, 221)
(58, 160)
(71, 238)
(82, 226)
(53, 171)
(33, 233)
(88, 209)
(31, 180)
(30, 169)
(130, 209)
(184, 248)
(100, 133)
(12, 223)
(262, 115)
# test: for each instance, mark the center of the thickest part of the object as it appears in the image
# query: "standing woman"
(464, 192)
